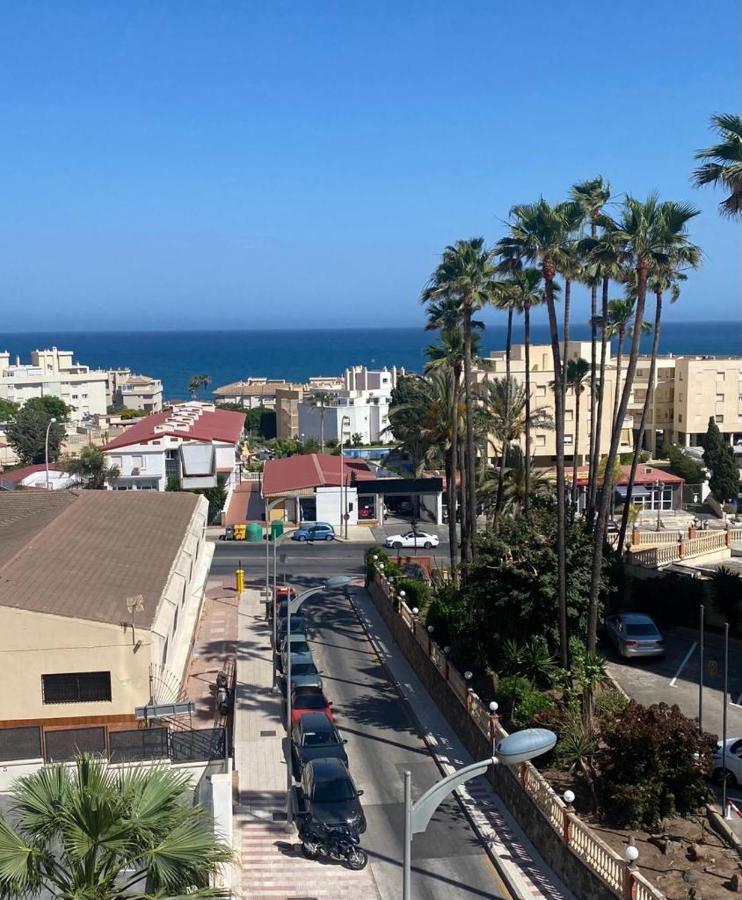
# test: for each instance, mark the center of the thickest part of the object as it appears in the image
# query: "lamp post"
(659, 488)
(343, 487)
(511, 750)
(52, 421)
(293, 606)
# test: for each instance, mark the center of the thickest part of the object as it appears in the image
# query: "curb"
(517, 892)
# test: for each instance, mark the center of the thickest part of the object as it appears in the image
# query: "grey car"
(634, 635)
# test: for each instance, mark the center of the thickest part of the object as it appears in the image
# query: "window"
(540, 440)
(720, 376)
(719, 419)
(137, 462)
(720, 398)
(680, 417)
(541, 390)
(567, 440)
(568, 415)
(76, 687)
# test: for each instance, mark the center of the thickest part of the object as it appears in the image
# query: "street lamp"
(511, 750)
(659, 489)
(343, 487)
(631, 854)
(293, 607)
(52, 421)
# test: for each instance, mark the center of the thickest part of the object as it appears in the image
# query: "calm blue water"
(176, 356)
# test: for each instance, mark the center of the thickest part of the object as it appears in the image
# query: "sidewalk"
(271, 861)
(524, 870)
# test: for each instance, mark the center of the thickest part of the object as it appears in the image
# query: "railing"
(654, 538)
(582, 841)
(667, 554)
(735, 534)
(704, 543)
(250, 476)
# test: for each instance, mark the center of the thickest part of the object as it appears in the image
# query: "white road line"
(684, 663)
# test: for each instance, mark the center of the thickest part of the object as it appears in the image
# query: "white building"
(193, 441)
(138, 392)
(364, 400)
(52, 373)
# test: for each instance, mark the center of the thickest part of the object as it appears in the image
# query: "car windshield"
(299, 648)
(643, 629)
(303, 669)
(319, 738)
(309, 701)
(334, 791)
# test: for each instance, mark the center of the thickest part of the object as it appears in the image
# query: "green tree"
(684, 466)
(712, 445)
(216, 495)
(93, 831)
(260, 421)
(724, 481)
(53, 407)
(90, 466)
(726, 593)
(466, 274)
(27, 435)
(356, 439)
(196, 383)
(132, 413)
(8, 410)
(723, 166)
(321, 400)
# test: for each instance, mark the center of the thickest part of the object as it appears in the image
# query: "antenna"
(134, 605)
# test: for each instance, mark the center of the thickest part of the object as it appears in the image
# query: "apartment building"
(253, 392)
(128, 391)
(53, 373)
(192, 441)
(686, 390)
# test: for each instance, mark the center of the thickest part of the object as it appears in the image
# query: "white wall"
(152, 466)
(330, 505)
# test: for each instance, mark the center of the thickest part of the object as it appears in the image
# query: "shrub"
(726, 591)
(532, 660)
(417, 592)
(648, 766)
(520, 700)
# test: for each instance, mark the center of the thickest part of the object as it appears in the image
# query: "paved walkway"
(271, 862)
(245, 504)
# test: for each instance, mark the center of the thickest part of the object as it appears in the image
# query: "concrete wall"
(568, 867)
(150, 461)
(330, 505)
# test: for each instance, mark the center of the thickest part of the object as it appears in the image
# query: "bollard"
(239, 578)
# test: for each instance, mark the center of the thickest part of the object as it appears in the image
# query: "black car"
(315, 737)
(298, 626)
(328, 794)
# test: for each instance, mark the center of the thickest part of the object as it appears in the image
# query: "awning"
(639, 490)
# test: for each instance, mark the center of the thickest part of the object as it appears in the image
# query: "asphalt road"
(448, 860)
(295, 561)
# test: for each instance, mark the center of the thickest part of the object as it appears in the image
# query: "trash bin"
(239, 532)
(276, 529)
(254, 532)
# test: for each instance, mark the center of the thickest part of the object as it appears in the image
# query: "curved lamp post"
(511, 750)
(51, 422)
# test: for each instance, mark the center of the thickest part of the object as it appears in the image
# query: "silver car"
(634, 634)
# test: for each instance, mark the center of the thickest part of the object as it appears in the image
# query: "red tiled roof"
(17, 475)
(644, 475)
(312, 470)
(219, 425)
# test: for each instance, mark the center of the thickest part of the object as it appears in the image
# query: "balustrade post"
(726, 537)
(681, 549)
(566, 825)
(635, 536)
(524, 775)
(628, 881)
(691, 532)
(468, 699)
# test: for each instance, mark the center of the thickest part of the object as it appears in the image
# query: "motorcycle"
(341, 844)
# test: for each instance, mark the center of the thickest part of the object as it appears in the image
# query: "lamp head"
(569, 797)
(494, 706)
(631, 854)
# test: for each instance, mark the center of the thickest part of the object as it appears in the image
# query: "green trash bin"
(254, 532)
(276, 529)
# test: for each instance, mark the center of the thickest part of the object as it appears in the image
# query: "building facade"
(53, 373)
(253, 392)
(138, 392)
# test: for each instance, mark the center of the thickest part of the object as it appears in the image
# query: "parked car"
(412, 539)
(634, 634)
(315, 737)
(303, 672)
(309, 699)
(298, 646)
(329, 795)
(320, 531)
(298, 626)
(733, 763)
(284, 592)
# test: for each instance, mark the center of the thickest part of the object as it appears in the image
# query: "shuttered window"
(76, 687)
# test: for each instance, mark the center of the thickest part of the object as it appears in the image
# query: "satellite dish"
(524, 745)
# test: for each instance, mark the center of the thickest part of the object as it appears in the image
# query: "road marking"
(684, 663)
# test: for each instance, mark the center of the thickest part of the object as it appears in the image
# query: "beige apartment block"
(685, 392)
(287, 411)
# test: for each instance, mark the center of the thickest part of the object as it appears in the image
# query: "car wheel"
(427, 545)
(396, 545)
(301, 538)
(330, 537)
(718, 777)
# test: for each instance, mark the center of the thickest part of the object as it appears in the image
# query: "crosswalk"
(272, 866)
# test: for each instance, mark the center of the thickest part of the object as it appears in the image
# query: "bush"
(521, 701)
(726, 591)
(532, 660)
(417, 592)
(648, 766)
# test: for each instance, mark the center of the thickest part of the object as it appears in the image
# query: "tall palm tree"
(651, 232)
(577, 372)
(96, 831)
(663, 279)
(196, 383)
(321, 400)
(620, 315)
(540, 233)
(592, 196)
(466, 273)
(723, 164)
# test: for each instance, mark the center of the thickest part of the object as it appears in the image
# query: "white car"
(733, 763)
(412, 539)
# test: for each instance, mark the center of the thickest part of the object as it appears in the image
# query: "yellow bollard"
(239, 578)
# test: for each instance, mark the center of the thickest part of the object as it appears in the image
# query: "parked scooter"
(223, 693)
(341, 844)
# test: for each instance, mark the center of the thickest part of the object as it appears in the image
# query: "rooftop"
(191, 421)
(253, 388)
(644, 475)
(80, 554)
(311, 470)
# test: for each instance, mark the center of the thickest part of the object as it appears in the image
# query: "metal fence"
(138, 744)
(67, 743)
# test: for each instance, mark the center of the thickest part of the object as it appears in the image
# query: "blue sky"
(213, 162)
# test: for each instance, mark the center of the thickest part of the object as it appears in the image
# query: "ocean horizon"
(296, 354)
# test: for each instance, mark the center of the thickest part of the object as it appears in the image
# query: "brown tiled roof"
(80, 554)
(311, 470)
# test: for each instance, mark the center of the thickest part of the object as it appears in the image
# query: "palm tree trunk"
(561, 519)
(508, 344)
(617, 388)
(565, 335)
(578, 391)
(322, 429)
(606, 497)
(527, 341)
(593, 397)
(501, 478)
(463, 502)
(642, 424)
(451, 474)
(471, 471)
(595, 464)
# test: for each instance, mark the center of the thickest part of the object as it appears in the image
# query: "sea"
(227, 356)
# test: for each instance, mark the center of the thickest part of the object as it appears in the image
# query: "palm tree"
(96, 831)
(651, 233)
(540, 233)
(465, 274)
(577, 372)
(620, 315)
(724, 163)
(321, 399)
(196, 383)
(90, 466)
(663, 279)
(591, 196)
(519, 481)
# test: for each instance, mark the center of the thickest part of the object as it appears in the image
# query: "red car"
(283, 592)
(309, 700)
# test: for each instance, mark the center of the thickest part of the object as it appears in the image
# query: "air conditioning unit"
(135, 470)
